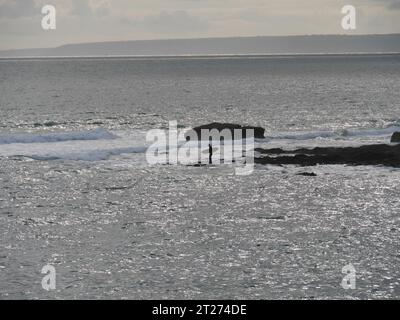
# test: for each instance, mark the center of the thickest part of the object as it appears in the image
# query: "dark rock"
(197, 165)
(258, 131)
(379, 154)
(50, 124)
(271, 217)
(395, 137)
(307, 174)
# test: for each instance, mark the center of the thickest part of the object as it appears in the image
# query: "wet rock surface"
(395, 137)
(258, 131)
(378, 154)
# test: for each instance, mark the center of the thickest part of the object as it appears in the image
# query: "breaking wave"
(98, 134)
(94, 155)
(339, 134)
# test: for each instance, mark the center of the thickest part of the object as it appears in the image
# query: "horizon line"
(194, 56)
(201, 38)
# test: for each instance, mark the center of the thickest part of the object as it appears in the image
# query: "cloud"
(81, 8)
(106, 20)
(86, 8)
(390, 4)
(174, 21)
(18, 8)
(394, 5)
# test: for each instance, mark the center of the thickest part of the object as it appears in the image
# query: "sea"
(78, 194)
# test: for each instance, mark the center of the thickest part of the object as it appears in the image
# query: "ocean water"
(76, 191)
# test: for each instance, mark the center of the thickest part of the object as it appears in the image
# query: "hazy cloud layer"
(391, 4)
(18, 8)
(104, 20)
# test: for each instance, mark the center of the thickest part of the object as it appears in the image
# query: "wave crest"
(98, 134)
(309, 135)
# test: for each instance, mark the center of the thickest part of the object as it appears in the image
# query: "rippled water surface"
(77, 193)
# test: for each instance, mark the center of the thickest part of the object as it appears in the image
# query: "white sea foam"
(97, 145)
(94, 145)
(92, 155)
(339, 134)
(98, 134)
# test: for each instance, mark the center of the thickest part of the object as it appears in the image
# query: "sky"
(79, 21)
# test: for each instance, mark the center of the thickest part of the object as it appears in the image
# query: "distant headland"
(262, 45)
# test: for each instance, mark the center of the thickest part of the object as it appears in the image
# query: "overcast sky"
(103, 20)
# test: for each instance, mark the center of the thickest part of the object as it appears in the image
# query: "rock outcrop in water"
(258, 131)
(307, 174)
(378, 154)
(395, 137)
